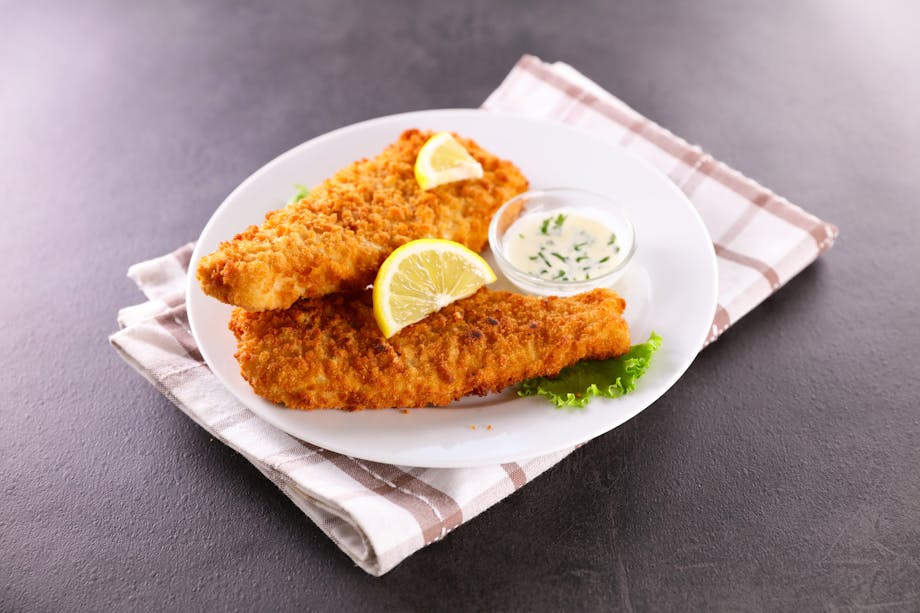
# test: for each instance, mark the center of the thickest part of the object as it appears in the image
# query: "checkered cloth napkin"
(377, 513)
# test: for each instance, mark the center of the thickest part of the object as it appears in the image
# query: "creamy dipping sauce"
(565, 245)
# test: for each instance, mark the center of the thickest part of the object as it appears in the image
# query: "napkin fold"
(379, 514)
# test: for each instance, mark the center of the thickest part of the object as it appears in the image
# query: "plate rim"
(497, 458)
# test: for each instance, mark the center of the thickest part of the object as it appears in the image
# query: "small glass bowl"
(589, 204)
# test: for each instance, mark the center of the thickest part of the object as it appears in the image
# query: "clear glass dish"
(548, 203)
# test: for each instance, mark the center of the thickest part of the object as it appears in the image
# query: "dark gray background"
(780, 473)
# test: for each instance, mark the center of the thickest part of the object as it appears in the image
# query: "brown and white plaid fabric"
(377, 513)
(761, 239)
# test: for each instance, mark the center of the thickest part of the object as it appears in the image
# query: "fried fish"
(329, 353)
(336, 237)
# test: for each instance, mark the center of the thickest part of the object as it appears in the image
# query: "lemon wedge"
(442, 159)
(423, 276)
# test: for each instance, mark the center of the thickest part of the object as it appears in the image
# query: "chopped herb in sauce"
(564, 247)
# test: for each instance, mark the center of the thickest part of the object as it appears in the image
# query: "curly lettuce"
(302, 191)
(575, 385)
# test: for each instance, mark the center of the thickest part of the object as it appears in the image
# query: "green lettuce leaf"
(302, 191)
(575, 385)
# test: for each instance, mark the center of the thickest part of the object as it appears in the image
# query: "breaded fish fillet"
(336, 237)
(328, 352)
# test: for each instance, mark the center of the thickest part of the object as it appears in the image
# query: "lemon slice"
(423, 276)
(444, 160)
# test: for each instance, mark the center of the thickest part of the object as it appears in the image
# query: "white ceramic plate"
(671, 288)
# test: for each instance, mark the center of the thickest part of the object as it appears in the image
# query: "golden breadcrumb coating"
(329, 353)
(336, 237)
